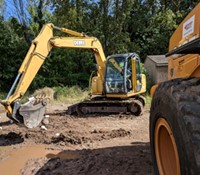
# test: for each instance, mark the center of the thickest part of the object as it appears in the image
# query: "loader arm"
(31, 113)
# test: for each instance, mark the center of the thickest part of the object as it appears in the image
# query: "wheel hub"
(165, 149)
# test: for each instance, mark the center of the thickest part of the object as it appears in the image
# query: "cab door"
(114, 76)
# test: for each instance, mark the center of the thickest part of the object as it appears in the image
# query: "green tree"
(142, 26)
(12, 50)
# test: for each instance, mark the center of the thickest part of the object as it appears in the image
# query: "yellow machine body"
(38, 52)
(175, 108)
(182, 42)
(180, 64)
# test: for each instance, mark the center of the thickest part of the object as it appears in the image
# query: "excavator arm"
(31, 113)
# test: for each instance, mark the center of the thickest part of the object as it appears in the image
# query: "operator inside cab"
(118, 74)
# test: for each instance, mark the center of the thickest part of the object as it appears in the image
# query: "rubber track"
(103, 102)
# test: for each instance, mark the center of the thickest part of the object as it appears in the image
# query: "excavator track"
(102, 105)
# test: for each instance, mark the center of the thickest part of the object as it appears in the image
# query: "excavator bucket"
(31, 113)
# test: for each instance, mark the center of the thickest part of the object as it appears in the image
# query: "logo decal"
(79, 42)
(188, 27)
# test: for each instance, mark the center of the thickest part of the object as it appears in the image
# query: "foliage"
(2, 95)
(69, 94)
(141, 26)
(148, 82)
(57, 94)
(12, 51)
(148, 100)
(65, 67)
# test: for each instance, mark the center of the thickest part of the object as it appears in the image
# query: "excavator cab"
(120, 71)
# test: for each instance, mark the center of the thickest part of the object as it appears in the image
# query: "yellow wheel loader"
(175, 108)
(117, 86)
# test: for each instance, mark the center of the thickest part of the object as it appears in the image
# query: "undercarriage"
(109, 106)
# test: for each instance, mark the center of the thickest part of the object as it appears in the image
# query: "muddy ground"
(77, 145)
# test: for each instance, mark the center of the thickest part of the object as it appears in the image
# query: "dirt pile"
(114, 160)
(116, 144)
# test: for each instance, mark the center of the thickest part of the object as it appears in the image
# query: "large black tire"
(175, 127)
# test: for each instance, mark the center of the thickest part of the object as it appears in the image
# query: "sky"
(9, 9)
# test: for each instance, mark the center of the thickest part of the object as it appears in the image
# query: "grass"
(70, 94)
(56, 95)
(62, 94)
(148, 100)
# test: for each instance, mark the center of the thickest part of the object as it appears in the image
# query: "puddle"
(17, 158)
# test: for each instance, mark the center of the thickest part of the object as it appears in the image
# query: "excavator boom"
(31, 113)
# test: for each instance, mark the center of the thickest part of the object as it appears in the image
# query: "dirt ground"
(76, 145)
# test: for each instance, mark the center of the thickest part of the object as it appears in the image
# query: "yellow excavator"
(175, 108)
(116, 87)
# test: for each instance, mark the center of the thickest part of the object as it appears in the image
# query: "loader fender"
(153, 88)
